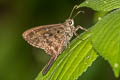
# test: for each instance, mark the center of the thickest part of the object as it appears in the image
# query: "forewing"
(51, 38)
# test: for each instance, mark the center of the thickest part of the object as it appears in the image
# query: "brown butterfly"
(52, 38)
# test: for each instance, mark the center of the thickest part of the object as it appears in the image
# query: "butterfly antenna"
(78, 13)
(72, 11)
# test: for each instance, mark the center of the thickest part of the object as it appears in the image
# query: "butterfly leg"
(69, 44)
(50, 63)
(79, 27)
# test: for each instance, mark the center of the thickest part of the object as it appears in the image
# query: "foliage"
(102, 38)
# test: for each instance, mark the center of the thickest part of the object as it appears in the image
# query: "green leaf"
(106, 39)
(101, 5)
(73, 61)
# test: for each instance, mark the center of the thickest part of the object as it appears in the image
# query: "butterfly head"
(69, 22)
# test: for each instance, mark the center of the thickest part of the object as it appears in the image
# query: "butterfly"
(52, 38)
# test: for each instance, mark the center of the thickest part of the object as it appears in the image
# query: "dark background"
(19, 60)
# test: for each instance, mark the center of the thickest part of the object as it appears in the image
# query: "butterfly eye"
(70, 22)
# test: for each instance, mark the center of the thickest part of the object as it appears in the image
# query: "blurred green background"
(19, 60)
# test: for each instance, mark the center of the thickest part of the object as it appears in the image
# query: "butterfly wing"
(51, 38)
